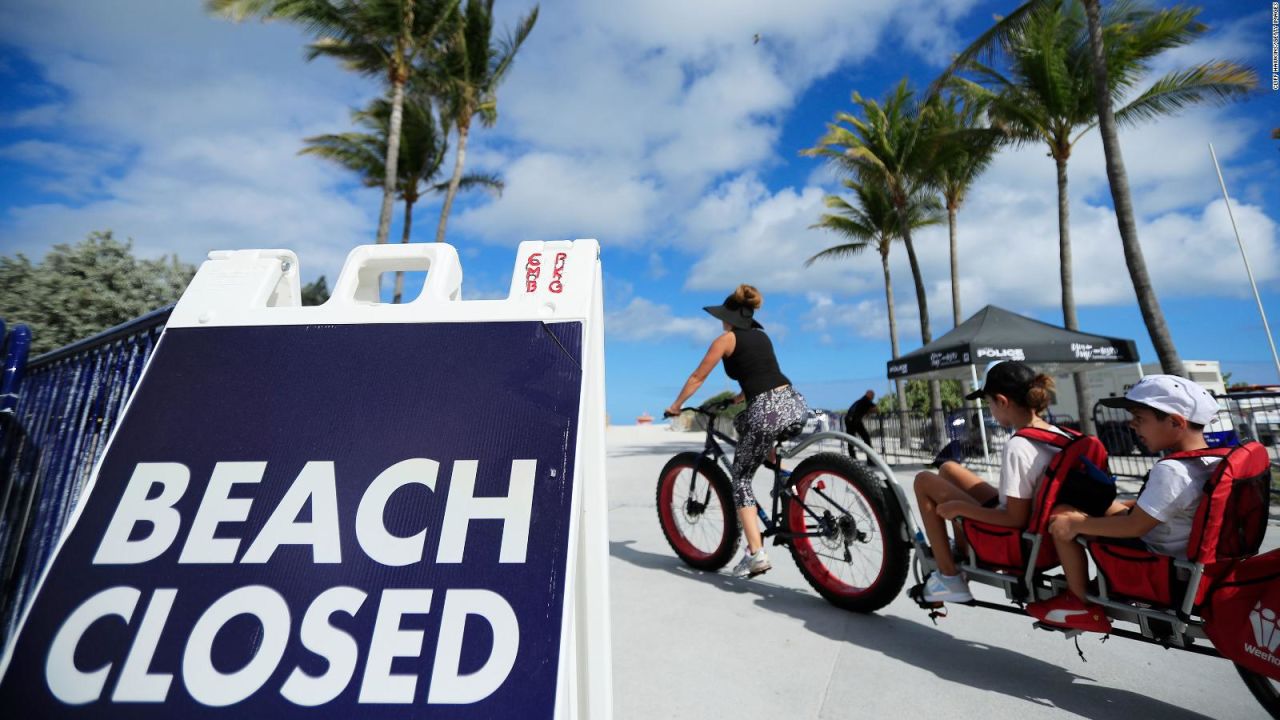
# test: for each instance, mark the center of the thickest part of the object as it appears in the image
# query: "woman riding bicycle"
(773, 406)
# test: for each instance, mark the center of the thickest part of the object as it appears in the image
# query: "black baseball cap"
(1009, 378)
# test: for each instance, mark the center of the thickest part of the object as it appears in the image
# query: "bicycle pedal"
(916, 593)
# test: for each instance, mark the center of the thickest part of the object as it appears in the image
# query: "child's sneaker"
(752, 565)
(946, 588)
(1068, 611)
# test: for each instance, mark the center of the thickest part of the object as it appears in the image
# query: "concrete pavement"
(688, 644)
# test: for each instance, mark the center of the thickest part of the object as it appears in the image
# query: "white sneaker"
(940, 588)
(752, 565)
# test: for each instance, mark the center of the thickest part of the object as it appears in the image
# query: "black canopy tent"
(994, 334)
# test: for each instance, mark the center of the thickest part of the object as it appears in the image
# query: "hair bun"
(749, 296)
(1040, 394)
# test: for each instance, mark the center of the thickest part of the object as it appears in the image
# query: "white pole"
(1266, 327)
(982, 423)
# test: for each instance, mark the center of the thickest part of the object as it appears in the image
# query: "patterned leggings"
(758, 426)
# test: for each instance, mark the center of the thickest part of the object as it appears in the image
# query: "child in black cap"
(1016, 395)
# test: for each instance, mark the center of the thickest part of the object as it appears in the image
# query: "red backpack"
(1229, 524)
(1076, 454)
(1004, 547)
(1241, 598)
(1241, 614)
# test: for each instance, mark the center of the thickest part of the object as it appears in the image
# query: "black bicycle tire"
(897, 552)
(1267, 695)
(724, 489)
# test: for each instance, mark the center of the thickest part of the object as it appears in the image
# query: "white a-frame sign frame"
(402, 505)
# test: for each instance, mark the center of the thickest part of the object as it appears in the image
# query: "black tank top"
(753, 363)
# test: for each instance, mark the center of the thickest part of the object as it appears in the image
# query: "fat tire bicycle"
(847, 536)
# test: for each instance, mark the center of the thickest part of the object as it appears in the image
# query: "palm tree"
(1214, 80)
(1136, 35)
(372, 37)
(889, 145)
(421, 154)
(469, 72)
(1046, 95)
(963, 148)
(872, 221)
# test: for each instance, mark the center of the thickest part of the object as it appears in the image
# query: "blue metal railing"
(66, 406)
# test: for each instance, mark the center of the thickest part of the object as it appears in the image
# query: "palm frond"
(1217, 81)
(987, 45)
(472, 181)
(361, 153)
(837, 252)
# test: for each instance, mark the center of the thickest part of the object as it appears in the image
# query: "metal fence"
(913, 437)
(59, 418)
(917, 438)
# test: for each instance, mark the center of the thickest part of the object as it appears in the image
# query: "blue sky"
(662, 129)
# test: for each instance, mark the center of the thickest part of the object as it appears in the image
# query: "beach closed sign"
(354, 510)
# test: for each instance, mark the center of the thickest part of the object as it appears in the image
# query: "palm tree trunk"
(935, 388)
(404, 238)
(888, 300)
(393, 157)
(1067, 275)
(1069, 320)
(1148, 303)
(922, 298)
(955, 265)
(464, 129)
(903, 429)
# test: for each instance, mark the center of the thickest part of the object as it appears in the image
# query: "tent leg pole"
(982, 423)
(1139, 366)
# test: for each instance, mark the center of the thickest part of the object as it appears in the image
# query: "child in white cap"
(1169, 413)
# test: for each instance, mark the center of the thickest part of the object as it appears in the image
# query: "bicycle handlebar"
(711, 410)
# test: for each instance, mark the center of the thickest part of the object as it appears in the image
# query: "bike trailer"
(1240, 615)
(1008, 549)
(1229, 526)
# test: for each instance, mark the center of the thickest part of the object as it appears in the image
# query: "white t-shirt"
(1023, 465)
(1172, 495)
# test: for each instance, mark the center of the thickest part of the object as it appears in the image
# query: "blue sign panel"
(338, 521)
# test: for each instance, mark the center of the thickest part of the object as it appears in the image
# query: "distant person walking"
(860, 408)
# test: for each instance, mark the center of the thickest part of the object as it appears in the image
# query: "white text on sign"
(146, 524)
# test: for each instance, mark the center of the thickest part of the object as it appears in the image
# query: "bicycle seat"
(790, 432)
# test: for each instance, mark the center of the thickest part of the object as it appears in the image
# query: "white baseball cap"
(1169, 394)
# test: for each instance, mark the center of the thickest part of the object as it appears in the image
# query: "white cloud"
(1008, 247)
(36, 116)
(657, 268)
(868, 319)
(66, 169)
(199, 126)
(750, 235)
(646, 321)
(552, 195)
(653, 102)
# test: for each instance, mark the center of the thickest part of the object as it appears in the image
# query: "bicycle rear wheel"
(846, 534)
(696, 511)
(1265, 690)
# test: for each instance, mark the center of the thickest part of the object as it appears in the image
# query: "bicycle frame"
(772, 521)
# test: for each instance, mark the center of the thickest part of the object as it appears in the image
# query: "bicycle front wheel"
(845, 534)
(696, 511)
